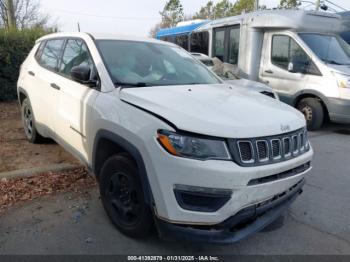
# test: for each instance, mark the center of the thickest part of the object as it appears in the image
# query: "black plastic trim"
(289, 173)
(207, 199)
(130, 149)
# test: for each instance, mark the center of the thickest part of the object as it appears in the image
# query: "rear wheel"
(313, 112)
(28, 120)
(122, 197)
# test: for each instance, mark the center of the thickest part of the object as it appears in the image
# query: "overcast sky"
(133, 17)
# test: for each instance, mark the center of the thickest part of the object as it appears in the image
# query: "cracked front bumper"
(240, 226)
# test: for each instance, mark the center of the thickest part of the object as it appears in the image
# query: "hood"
(250, 85)
(216, 110)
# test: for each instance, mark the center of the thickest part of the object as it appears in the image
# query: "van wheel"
(313, 112)
(123, 198)
(28, 120)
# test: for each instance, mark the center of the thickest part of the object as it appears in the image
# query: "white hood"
(341, 69)
(216, 110)
(250, 85)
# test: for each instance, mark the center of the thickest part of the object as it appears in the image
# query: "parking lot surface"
(317, 223)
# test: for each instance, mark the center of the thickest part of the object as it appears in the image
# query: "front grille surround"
(269, 150)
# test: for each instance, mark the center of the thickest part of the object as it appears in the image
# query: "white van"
(298, 53)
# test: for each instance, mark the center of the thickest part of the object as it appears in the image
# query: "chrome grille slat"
(252, 151)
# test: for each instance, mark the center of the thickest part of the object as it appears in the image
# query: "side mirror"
(291, 67)
(81, 74)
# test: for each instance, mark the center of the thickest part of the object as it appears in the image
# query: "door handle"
(31, 73)
(53, 85)
(269, 71)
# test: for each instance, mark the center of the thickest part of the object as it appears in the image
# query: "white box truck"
(298, 53)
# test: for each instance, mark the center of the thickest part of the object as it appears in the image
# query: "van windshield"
(140, 64)
(331, 49)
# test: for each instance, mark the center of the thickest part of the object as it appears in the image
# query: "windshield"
(140, 64)
(331, 49)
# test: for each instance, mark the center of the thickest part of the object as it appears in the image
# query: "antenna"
(78, 27)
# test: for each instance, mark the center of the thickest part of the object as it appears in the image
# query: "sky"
(132, 17)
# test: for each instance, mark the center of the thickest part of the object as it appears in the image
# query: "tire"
(313, 112)
(123, 198)
(28, 120)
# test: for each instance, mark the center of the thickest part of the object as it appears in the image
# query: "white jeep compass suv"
(171, 145)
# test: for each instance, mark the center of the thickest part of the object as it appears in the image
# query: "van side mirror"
(81, 74)
(291, 67)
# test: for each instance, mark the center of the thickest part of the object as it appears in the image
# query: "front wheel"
(313, 112)
(123, 198)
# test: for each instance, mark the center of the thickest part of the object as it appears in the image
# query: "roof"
(100, 36)
(179, 30)
(282, 19)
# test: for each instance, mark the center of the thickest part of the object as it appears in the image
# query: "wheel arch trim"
(130, 149)
(311, 92)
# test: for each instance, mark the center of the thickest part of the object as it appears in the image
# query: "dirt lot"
(16, 153)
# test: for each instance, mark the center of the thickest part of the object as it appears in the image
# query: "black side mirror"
(81, 74)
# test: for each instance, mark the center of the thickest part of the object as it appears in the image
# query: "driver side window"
(287, 54)
(75, 54)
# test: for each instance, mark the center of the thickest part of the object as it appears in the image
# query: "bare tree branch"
(27, 14)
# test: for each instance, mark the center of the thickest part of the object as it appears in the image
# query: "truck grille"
(268, 150)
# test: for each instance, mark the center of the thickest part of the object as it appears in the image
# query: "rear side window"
(234, 45)
(219, 44)
(75, 54)
(182, 40)
(51, 54)
(40, 50)
(200, 43)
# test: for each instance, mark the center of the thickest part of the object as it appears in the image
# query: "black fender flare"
(130, 149)
(19, 91)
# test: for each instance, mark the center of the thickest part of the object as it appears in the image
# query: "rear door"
(226, 44)
(75, 100)
(42, 74)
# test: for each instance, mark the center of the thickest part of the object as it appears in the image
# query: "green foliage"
(243, 6)
(224, 8)
(172, 13)
(289, 4)
(14, 47)
(206, 12)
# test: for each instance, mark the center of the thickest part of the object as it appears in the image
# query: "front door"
(74, 106)
(286, 67)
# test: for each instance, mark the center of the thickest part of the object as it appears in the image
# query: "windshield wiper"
(130, 85)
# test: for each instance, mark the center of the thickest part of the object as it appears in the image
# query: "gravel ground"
(17, 153)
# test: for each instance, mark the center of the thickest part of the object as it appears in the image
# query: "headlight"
(342, 80)
(193, 147)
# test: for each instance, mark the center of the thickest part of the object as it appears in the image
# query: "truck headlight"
(193, 147)
(342, 80)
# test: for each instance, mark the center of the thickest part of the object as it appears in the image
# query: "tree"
(26, 14)
(289, 4)
(172, 13)
(206, 12)
(224, 8)
(243, 6)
